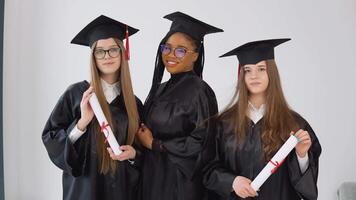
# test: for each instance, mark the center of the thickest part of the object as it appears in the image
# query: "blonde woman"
(72, 135)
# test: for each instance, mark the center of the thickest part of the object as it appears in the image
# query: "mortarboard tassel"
(127, 46)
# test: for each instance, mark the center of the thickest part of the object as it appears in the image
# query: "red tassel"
(127, 46)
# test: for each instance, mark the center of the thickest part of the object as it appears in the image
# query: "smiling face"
(256, 78)
(108, 65)
(176, 45)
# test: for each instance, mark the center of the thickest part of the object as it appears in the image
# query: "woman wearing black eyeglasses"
(73, 137)
(175, 111)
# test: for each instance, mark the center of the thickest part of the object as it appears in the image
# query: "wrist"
(301, 154)
(234, 182)
(82, 124)
(150, 144)
(134, 155)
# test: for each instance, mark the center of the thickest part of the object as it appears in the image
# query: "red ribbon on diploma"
(103, 128)
(276, 165)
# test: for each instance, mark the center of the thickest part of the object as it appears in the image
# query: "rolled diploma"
(281, 154)
(94, 103)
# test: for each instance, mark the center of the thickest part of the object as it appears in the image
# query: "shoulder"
(75, 91)
(303, 123)
(225, 122)
(197, 82)
(196, 85)
(78, 87)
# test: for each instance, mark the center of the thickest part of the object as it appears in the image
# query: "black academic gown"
(176, 118)
(287, 183)
(79, 161)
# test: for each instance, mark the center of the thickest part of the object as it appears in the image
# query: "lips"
(171, 63)
(255, 83)
(108, 63)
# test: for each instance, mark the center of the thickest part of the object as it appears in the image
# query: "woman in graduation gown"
(252, 129)
(175, 110)
(72, 134)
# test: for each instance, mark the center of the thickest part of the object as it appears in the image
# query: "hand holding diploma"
(242, 187)
(304, 143)
(86, 112)
(129, 153)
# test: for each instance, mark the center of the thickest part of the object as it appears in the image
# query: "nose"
(253, 74)
(106, 56)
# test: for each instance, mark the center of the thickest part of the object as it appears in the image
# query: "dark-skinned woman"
(175, 111)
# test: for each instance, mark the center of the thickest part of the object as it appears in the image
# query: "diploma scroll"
(104, 125)
(275, 162)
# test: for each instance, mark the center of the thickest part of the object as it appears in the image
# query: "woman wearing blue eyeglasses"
(175, 111)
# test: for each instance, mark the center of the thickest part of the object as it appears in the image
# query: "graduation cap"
(254, 52)
(193, 27)
(104, 27)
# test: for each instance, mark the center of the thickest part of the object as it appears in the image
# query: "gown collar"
(111, 91)
(178, 76)
(256, 114)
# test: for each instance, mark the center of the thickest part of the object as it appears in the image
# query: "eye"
(99, 52)
(180, 52)
(247, 70)
(114, 50)
(165, 49)
(262, 69)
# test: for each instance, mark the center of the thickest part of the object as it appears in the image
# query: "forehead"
(262, 63)
(180, 39)
(106, 42)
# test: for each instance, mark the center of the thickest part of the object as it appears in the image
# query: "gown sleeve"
(65, 155)
(305, 184)
(185, 152)
(216, 177)
(137, 145)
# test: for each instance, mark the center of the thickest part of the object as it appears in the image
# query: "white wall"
(317, 69)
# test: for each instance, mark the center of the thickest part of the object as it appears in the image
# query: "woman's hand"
(144, 134)
(86, 112)
(304, 142)
(128, 153)
(242, 187)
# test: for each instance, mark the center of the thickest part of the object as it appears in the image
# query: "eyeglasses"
(113, 53)
(179, 52)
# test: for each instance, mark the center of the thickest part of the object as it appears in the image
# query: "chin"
(256, 91)
(171, 70)
(108, 72)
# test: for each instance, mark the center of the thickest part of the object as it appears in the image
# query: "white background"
(317, 67)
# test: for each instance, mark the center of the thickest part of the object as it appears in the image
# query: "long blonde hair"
(106, 163)
(278, 120)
